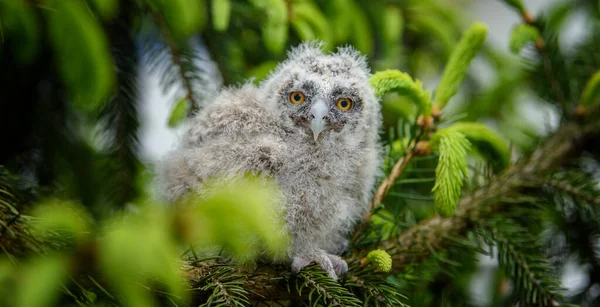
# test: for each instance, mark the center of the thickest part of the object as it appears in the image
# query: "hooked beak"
(319, 111)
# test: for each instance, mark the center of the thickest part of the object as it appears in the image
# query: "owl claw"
(332, 264)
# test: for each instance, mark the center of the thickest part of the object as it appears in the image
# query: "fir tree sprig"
(323, 289)
(520, 254)
(177, 59)
(456, 68)
(224, 287)
(451, 170)
(373, 288)
(521, 35)
(486, 143)
(396, 81)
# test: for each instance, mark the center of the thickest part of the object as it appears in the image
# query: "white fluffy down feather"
(326, 166)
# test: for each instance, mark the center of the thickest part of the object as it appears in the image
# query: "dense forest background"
(467, 173)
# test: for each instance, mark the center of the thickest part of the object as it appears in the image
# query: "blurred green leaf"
(430, 25)
(558, 14)
(591, 92)
(393, 23)
(41, 281)
(362, 35)
(307, 13)
(275, 27)
(136, 248)
(221, 11)
(303, 29)
(82, 53)
(179, 112)
(242, 215)
(183, 17)
(339, 12)
(262, 71)
(18, 21)
(107, 8)
(522, 35)
(517, 5)
(460, 59)
(63, 216)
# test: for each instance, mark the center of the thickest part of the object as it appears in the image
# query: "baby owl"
(313, 127)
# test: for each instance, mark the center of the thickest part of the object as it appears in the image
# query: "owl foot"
(332, 264)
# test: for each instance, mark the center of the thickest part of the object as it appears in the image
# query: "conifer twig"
(176, 56)
(385, 186)
(414, 244)
(546, 61)
(388, 182)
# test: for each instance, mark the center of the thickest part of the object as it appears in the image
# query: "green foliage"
(130, 251)
(431, 21)
(517, 5)
(373, 288)
(591, 92)
(275, 28)
(224, 287)
(183, 17)
(83, 55)
(18, 19)
(310, 23)
(56, 215)
(456, 68)
(107, 8)
(239, 214)
(486, 143)
(41, 282)
(323, 289)
(221, 12)
(179, 112)
(64, 59)
(393, 24)
(451, 169)
(520, 255)
(396, 81)
(522, 35)
(380, 259)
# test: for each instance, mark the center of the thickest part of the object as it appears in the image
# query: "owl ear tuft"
(354, 57)
(306, 51)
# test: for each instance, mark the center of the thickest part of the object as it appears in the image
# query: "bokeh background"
(157, 138)
(94, 93)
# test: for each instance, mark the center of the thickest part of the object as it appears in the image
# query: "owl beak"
(317, 123)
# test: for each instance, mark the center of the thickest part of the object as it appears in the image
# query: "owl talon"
(332, 264)
(340, 266)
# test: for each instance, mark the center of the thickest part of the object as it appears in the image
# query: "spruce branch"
(561, 147)
(552, 64)
(176, 57)
(327, 291)
(384, 187)
(520, 255)
(265, 283)
(568, 188)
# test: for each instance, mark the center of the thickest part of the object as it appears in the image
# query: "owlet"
(313, 127)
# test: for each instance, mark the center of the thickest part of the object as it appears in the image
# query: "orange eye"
(296, 97)
(344, 104)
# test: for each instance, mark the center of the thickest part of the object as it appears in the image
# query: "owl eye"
(344, 104)
(296, 97)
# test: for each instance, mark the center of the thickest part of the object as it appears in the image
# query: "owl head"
(322, 94)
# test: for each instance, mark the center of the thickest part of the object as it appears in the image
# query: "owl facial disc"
(317, 123)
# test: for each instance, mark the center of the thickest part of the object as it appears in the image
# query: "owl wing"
(233, 135)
